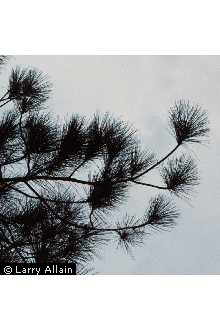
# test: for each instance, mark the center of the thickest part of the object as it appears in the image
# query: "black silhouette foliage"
(61, 183)
(188, 123)
(29, 88)
(40, 133)
(180, 175)
(162, 212)
(8, 135)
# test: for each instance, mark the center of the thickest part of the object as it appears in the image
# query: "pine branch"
(180, 175)
(188, 123)
(156, 164)
(48, 199)
(149, 185)
(26, 152)
(40, 219)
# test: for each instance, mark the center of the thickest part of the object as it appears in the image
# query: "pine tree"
(60, 183)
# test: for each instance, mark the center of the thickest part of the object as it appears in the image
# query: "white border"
(110, 27)
(110, 302)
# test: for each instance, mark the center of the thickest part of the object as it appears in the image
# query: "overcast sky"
(140, 89)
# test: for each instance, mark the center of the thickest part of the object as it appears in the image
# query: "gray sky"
(140, 89)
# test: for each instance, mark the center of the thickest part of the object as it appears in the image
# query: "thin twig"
(26, 146)
(149, 185)
(157, 163)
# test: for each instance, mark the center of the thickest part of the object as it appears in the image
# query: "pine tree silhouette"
(60, 183)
